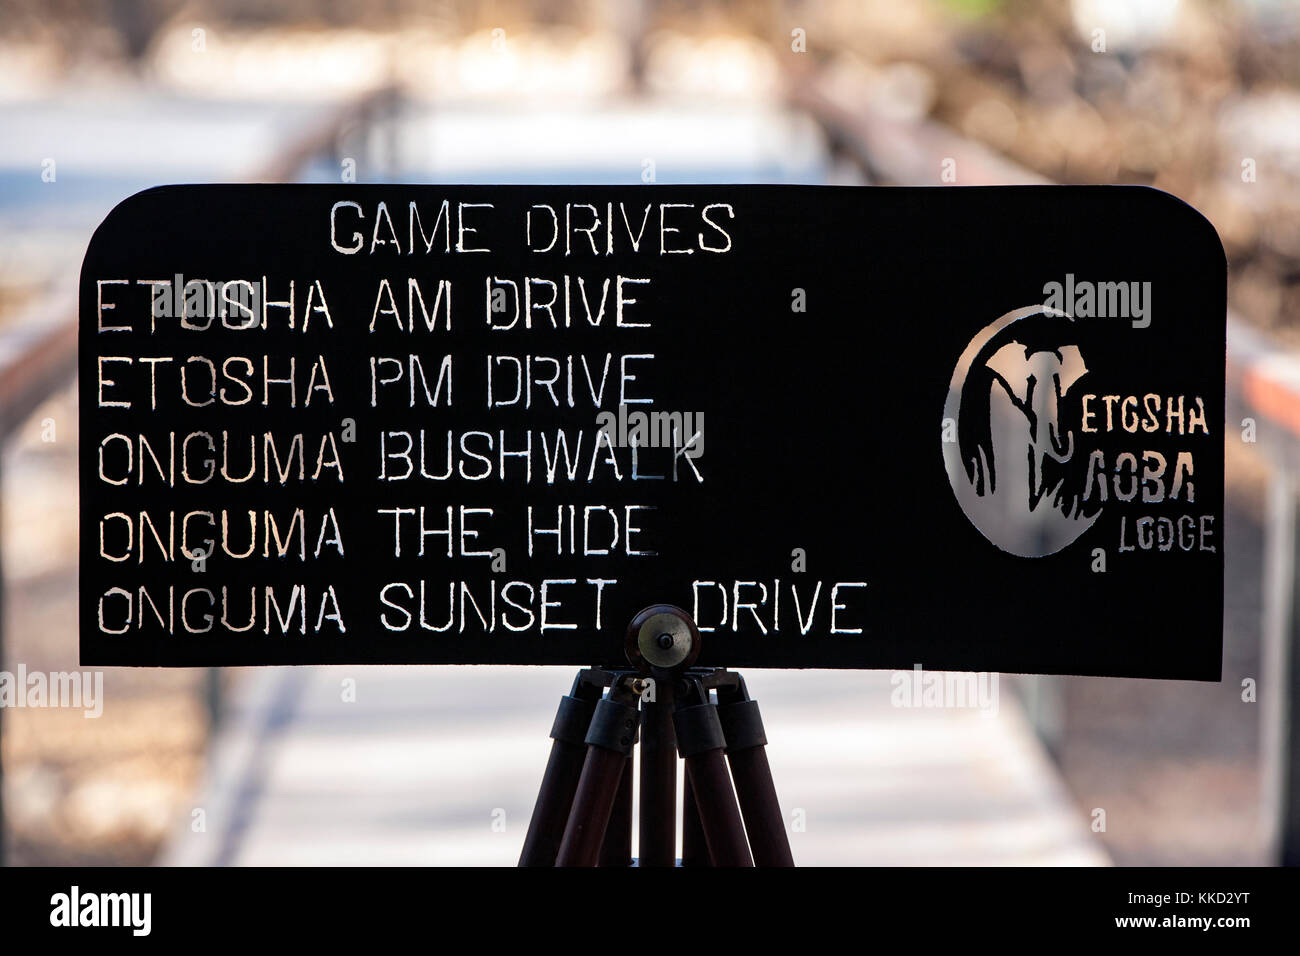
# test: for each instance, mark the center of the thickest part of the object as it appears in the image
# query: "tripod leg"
(746, 743)
(695, 851)
(560, 781)
(617, 848)
(700, 739)
(658, 779)
(609, 743)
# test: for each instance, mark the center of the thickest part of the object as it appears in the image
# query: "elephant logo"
(1013, 464)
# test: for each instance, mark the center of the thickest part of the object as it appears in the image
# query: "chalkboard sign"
(971, 429)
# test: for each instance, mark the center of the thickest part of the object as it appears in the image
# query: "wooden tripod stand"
(583, 814)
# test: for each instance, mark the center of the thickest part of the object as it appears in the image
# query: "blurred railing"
(38, 350)
(1263, 395)
(1264, 409)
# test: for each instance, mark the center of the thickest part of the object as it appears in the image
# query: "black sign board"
(973, 429)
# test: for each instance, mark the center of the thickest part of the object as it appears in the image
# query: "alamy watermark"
(79, 908)
(238, 302)
(680, 431)
(75, 689)
(1082, 299)
(945, 689)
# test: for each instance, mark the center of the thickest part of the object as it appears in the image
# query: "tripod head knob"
(662, 637)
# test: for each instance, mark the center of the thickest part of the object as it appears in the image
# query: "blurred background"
(434, 765)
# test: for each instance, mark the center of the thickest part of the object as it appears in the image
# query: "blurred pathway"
(421, 765)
